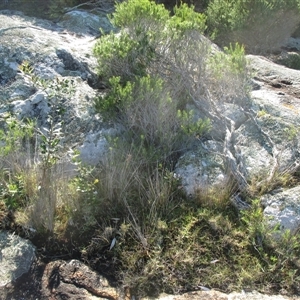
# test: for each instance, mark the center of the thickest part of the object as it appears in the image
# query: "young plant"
(139, 14)
(14, 134)
(49, 149)
(16, 138)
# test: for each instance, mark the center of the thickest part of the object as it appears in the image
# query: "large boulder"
(17, 255)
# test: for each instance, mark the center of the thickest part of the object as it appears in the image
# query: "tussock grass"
(217, 195)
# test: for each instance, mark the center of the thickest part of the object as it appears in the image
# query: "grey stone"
(16, 257)
(201, 167)
(93, 149)
(283, 209)
(83, 22)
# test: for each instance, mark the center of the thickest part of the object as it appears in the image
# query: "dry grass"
(216, 196)
(258, 185)
(152, 118)
(51, 195)
(31, 189)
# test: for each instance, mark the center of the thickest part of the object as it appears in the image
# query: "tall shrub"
(257, 24)
(146, 65)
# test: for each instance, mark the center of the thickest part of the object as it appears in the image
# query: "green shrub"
(150, 117)
(29, 179)
(148, 33)
(185, 18)
(14, 134)
(157, 65)
(111, 104)
(122, 56)
(256, 24)
(234, 15)
(16, 140)
(169, 47)
(139, 15)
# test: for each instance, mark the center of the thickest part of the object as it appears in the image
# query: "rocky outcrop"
(273, 136)
(55, 54)
(264, 142)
